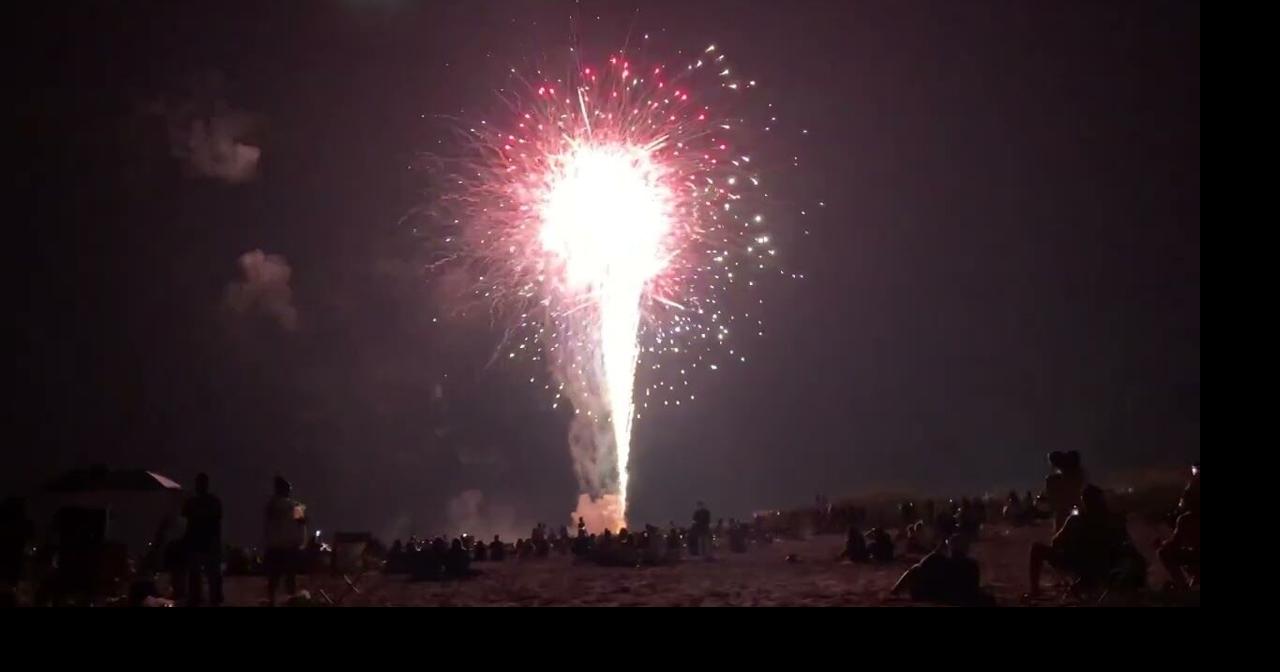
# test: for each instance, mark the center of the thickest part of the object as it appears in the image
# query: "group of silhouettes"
(1091, 548)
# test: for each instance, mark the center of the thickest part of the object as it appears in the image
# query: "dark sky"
(1008, 262)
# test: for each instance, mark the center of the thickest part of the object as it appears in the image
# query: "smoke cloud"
(470, 513)
(265, 289)
(213, 147)
(210, 137)
(600, 513)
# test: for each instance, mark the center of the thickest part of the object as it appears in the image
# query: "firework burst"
(607, 213)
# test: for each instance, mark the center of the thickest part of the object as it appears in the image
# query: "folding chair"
(348, 559)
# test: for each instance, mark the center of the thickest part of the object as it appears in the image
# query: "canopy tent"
(138, 503)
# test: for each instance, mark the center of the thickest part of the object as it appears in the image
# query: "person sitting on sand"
(497, 549)
(1012, 512)
(395, 557)
(1093, 546)
(673, 539)
(944, 525)
(15, 531)
(907, 509)
(855, 546)
(428, 564)
(917, 537)
(1063, 485)
(969, 518)
(737, 537)
(1180, 555)
(880, 545)
(945, 576)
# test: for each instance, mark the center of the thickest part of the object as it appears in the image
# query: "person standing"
(702, 530)
(285, 539)
(203, 543)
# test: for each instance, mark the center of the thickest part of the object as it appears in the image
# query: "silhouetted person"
(701, 531)
(1093, 546)
(737, 537)
(917, 538)
(969, 519)
(173, 554)
(203, 542)
(285, 538)
(497, 549)
(457, 562)
(908, 511)
(15, 530)
(880, 545)
(1013, 512)
(539, 541)
(395, 558)
(855, 546)
(582, 544)
(944, 525)
(80, 535)
(481, 552)
(1180, 555)
(428, 563)
(564, 542)
(945, 576)
(1063, 485)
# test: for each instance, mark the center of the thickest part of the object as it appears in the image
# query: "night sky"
(1008, 261)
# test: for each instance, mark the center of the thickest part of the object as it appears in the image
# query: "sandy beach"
(761, 577)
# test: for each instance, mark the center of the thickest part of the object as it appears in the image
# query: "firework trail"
(607, 212)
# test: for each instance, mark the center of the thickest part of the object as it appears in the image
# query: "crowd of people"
(440, 559)
(1090, 550)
